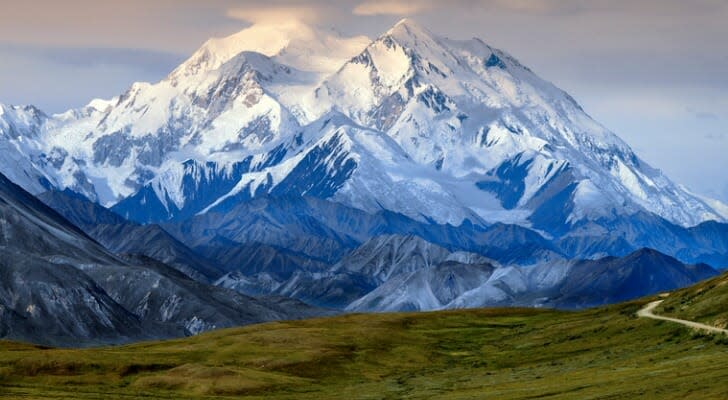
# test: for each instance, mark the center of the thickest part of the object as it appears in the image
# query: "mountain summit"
(440, 130)
(292, 43)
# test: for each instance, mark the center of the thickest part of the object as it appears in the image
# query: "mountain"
(612, 280)
(45, 296)
(326, 230)
(157, 293)
(408, 273)
(368, 267)
(123, 237)
(297, 224)
(384, 256)
(619, 236)
(27, 226)
(425, 289)
(317, 251)
(291, 161)
(20, 128)
(457, 129)
(61, 287)
(56, 303)
(257, 258)
(580, 284)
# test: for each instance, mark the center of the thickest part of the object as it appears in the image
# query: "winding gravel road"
(646, 312)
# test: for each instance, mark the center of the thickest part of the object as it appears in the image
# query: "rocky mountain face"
(120, 236)
(61, 287)
(407, 273)
(499, 265)
(57, 304)
(565, 284)
(612, 280)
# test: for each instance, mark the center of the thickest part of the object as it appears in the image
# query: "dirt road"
(646, 312)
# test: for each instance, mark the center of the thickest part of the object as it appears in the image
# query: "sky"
(653, 71)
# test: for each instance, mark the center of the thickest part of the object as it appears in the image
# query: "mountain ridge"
(461, 122)
(61, 287)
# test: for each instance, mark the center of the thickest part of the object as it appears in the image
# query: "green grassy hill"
(605, 353)
(706, 302)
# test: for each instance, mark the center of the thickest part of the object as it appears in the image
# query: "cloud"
(278, 14)
(400, 8)
(543, 7)
(412, 7)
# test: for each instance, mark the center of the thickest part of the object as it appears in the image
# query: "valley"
(507, 353)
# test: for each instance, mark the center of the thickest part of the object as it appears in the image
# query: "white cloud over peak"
(400, 8)
(277, 14)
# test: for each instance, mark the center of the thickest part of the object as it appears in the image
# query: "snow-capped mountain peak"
(409, 31)
(437, 129)
(292, 43)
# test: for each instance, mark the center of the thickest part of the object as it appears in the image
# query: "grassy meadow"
(604, 353)
(706, 302)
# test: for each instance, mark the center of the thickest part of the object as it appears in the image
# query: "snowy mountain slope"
(436, 129)
(291, 43)
(220, 105)
(468, 109)
(358, 167)
(222, 116)
(109, 149)
(19, 129)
